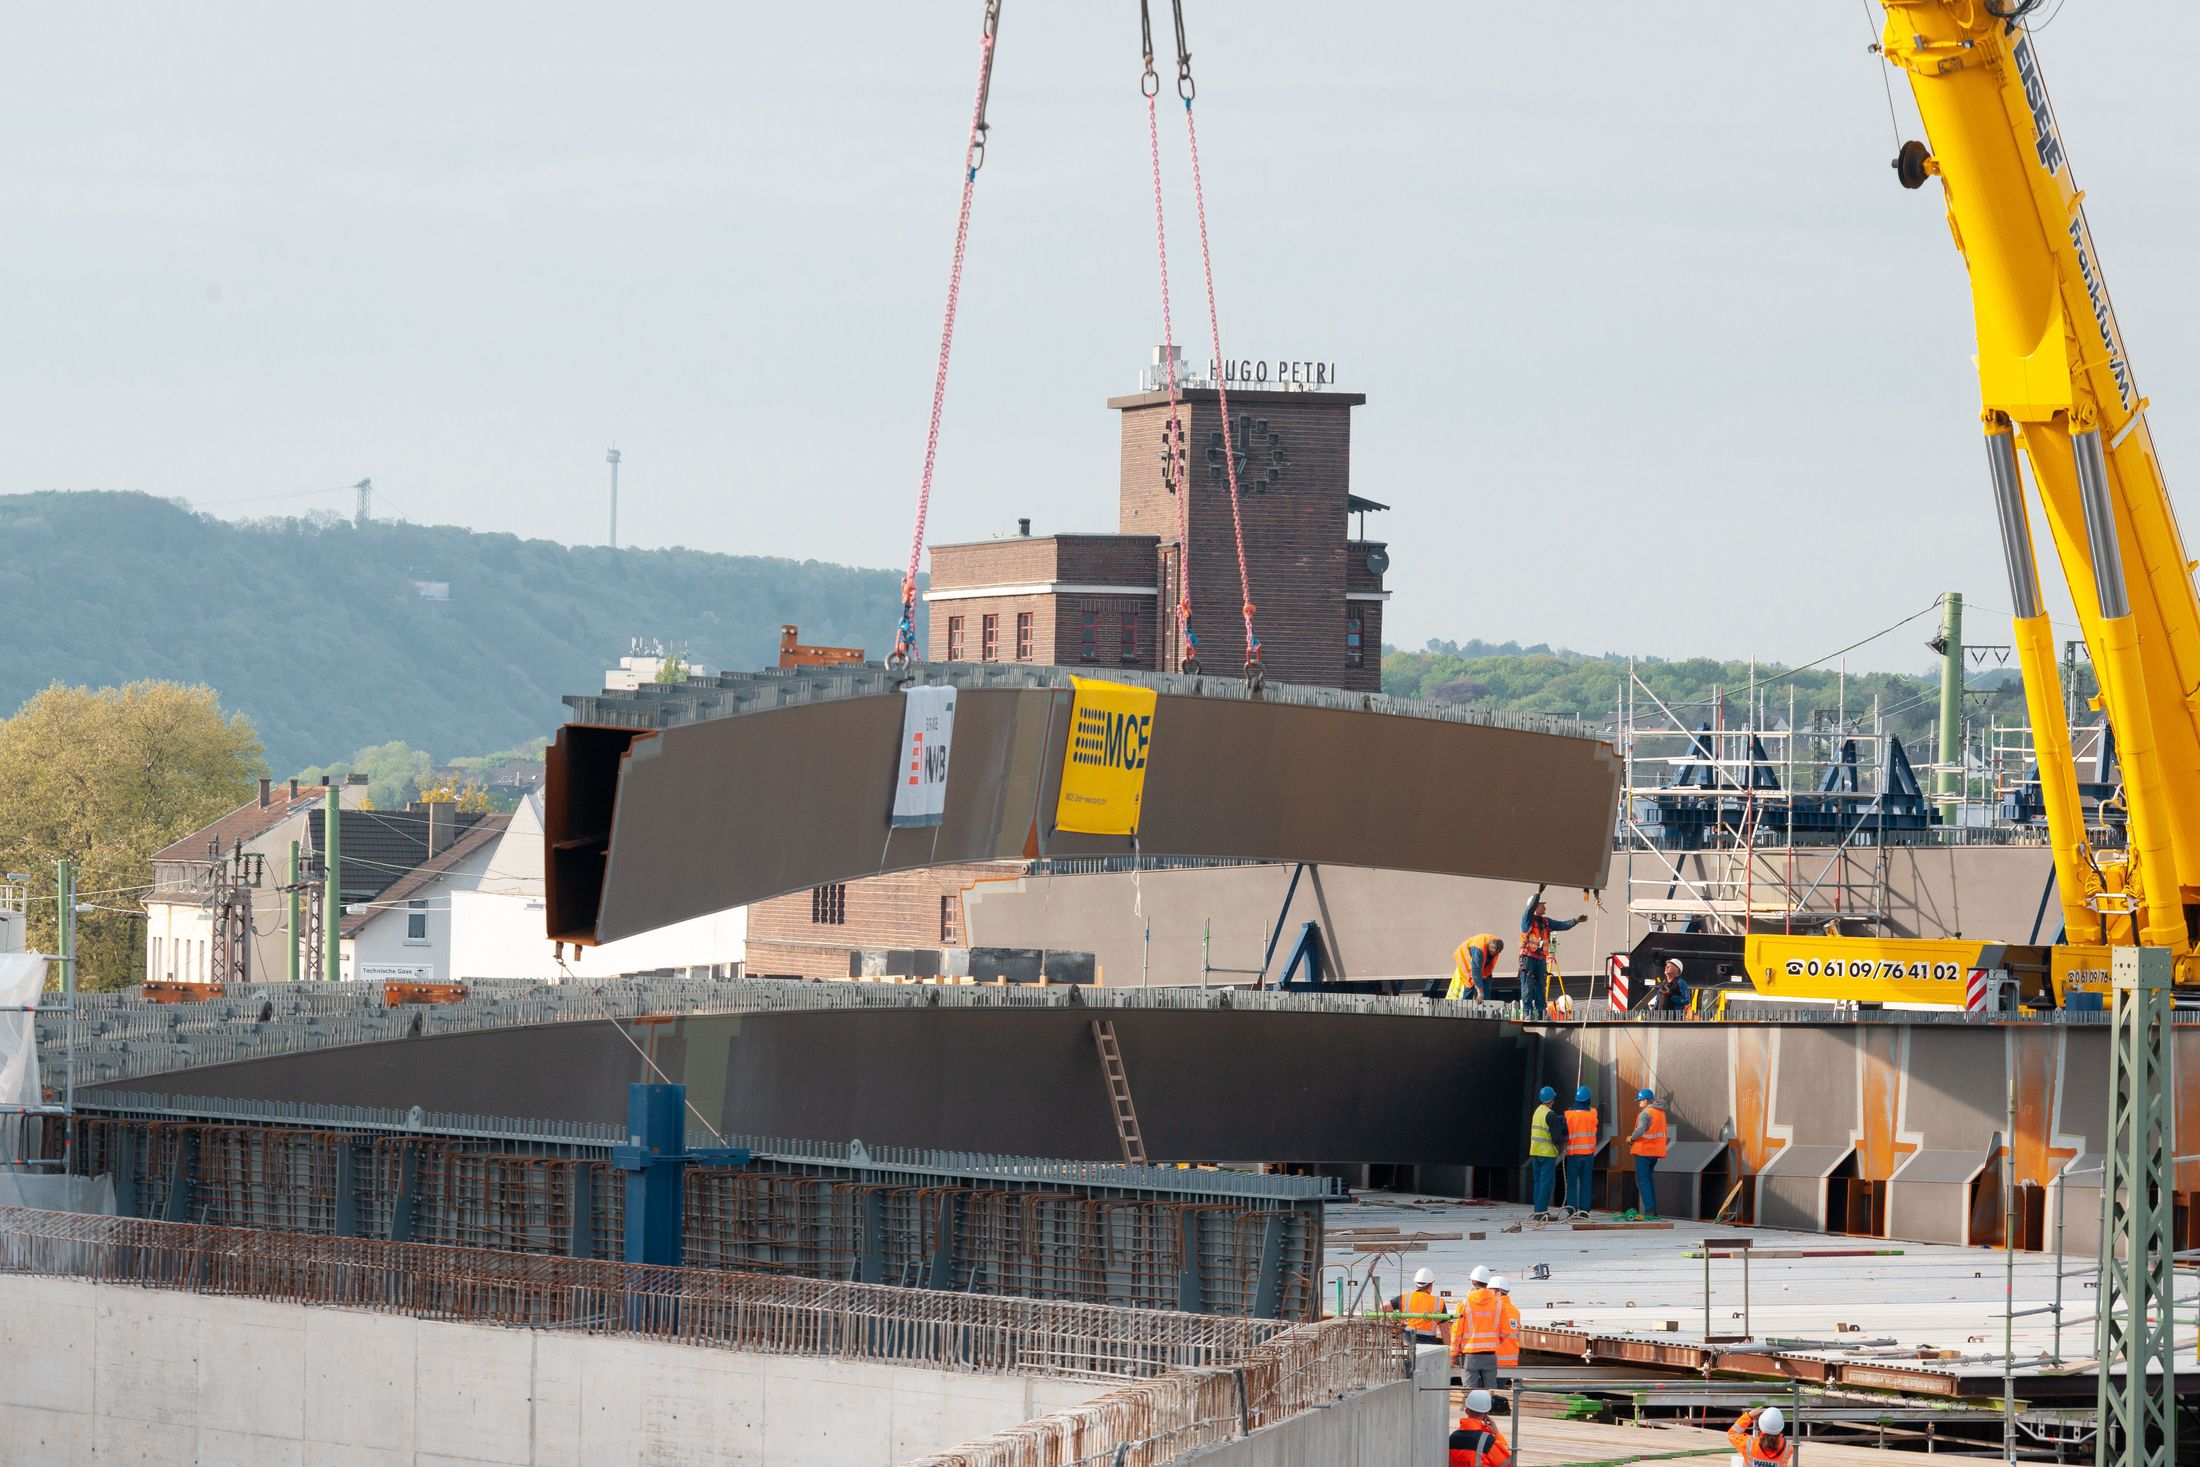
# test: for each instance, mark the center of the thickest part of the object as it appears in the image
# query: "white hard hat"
(1481, 1274)
(1479, 1402)
(1499, 1282)
(1423, 1276)
(1771, 1422)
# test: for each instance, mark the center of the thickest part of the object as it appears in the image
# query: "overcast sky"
(1658, 357)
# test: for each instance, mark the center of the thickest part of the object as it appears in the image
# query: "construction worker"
(1581, 1150)
(1420, 1311)
(1536, 928)
(1477, 1442)
(1647, 1142)
(1508, 1328)
(1761, 1436)
(1546, 1144)
(1474, 967)
(1474, 1333)
(1672, 995)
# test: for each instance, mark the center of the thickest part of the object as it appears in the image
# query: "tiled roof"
(248, 821)
(379, 847)
(485, 828)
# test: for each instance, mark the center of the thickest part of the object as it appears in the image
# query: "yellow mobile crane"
(2056, 383)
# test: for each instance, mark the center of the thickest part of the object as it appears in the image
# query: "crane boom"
(2055, 380)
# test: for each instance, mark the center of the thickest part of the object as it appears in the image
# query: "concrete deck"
(1633, 1284)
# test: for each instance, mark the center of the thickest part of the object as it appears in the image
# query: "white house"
(498, 931)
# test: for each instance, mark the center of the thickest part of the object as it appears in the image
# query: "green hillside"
(313, 628)
(1563, 684)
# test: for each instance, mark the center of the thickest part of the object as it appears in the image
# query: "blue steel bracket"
(655, 1157)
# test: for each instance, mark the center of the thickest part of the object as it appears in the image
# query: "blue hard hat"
(1646, 1094)
(1546, 1095)
(1581, 1095)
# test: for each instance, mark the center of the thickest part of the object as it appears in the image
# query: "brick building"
(1110, 600)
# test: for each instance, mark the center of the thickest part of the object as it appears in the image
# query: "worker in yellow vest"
(1546, 1144)
(1508, 1327)
(1474, 967)
(1648, 1144)
(1420, 1311)
(1581, 1150)
(1474, 1334)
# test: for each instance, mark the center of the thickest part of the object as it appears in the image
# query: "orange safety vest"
(1508, 1335)
(1478, 1443)
(1754, 1445)
(1652, 1141)
(1462, 965)
(1423, 1311)
(1581, 1134)
(1481, 1318)
(1535, 938)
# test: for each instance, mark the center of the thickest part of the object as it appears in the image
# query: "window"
(1023, 636)
(1088, 634)
(1130, 636)
(1355, 647)
(989, 638)
(153, 969)
(416, 921)
(829, 905)
(954, 639)
(951, 920)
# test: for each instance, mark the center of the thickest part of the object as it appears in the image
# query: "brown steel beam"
(648, 827)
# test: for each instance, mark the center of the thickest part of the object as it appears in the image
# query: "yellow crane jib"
(2056, 383)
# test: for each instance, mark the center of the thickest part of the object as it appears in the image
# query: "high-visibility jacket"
(1423, 1311)
(1652, 1140)
(1463, 965)
(1581, 1134)
(1481, 1318)
(1540, 1140)
(1535, 937)
(1754, 1445)
(1478, 1443)
(1508, 1335)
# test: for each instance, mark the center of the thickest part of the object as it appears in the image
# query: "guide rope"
(905, 635)
(1187, 89)
(1175, 467)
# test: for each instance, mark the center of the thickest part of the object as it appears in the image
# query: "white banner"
(920, 776)
(22, 979)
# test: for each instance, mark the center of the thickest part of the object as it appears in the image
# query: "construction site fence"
(692, 1306)
(1252, 1257)
(1159, 1421)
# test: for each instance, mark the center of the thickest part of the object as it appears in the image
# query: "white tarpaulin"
(920, 777)
(22, 979)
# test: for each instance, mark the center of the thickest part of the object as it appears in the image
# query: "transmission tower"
(365, 509)
(611, 457)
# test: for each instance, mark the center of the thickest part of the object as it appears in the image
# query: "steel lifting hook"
(976, 159)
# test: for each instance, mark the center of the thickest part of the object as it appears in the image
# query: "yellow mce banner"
(1104, 768)
(1865, 969)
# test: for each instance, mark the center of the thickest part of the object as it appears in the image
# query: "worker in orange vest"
(1581, 1150)
(1474, 967)
(1761, 1436)
(1648, 1144)
(1536, 927)
(1420, 1311)
(1477, 1442)
(1474, 1334)
(1508, 1327)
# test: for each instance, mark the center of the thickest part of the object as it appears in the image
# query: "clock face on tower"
(1261, 456)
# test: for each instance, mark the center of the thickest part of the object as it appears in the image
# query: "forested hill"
(315, 629)
(1563, 684)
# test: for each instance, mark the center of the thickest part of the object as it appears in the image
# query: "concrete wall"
(104, 1373)
(1405, 1422)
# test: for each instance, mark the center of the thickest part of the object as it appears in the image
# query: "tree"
(106, 777)
(395, 772)
(463, 794)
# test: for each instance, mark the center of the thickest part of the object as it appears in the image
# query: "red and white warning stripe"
(1974, 992)
(1615, 979)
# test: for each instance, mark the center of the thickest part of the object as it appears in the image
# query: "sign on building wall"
(920, 776)
(396, 972)
(1104, 768)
